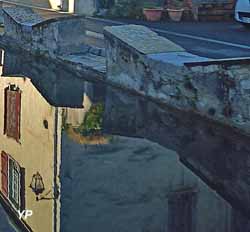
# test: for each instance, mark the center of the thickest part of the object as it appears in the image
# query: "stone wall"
(29, 30)
(198, 107)
(202, 107)
(46, 36)
(127, 160)
(158, 69)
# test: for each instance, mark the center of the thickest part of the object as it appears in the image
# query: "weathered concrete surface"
(206, 117)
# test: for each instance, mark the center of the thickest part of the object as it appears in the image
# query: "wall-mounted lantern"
(37, 185)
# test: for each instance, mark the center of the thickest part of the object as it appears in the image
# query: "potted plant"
(152, 12)
(175, 10)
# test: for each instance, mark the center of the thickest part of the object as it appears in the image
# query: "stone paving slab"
(30, 16)
(94, 62)
(143, 39)
(23, 15)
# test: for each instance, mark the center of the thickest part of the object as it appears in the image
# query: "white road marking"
(183, 35)
(154, 29)
(202, 38)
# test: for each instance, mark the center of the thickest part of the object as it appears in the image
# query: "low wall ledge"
(25, 16)
(178, 58)
(142, 39)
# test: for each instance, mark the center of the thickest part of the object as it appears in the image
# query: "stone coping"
(88, 60)
(22, 15)
(225, 61)
(142, 39)
(178, 58)
(191, 60)
(33, 16)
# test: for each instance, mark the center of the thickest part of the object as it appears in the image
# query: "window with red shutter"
(4, 173)
(13, 181)
(12, 112)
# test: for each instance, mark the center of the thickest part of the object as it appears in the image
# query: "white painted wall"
(55, 4)
(71, 6)
(86, 7)
(37, 3)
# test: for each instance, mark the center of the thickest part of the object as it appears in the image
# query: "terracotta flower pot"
(175, 15)
(153, 14)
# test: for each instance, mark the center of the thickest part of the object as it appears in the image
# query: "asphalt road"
(209, 39)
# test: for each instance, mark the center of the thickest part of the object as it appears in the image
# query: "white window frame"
(15, 191)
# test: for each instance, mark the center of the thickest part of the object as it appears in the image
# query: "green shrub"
(126, 9)
(176, 4)
(92, 123)
(152, 5)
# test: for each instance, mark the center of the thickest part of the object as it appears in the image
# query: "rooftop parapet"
(142, 39)
(44, 31)
(140, 60)
(33, 16)
(206, 104)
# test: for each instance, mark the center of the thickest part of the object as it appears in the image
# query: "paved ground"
(5, 223)
(209, 39)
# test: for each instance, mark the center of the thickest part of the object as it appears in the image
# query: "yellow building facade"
(33, 150)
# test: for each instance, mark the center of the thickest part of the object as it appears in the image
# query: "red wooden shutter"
(4, 172)
(13, 108)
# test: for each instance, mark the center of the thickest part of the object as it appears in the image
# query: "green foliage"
(126, 9)
(152, 5)
(176, 4)
(92, 123)
(65, 125)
